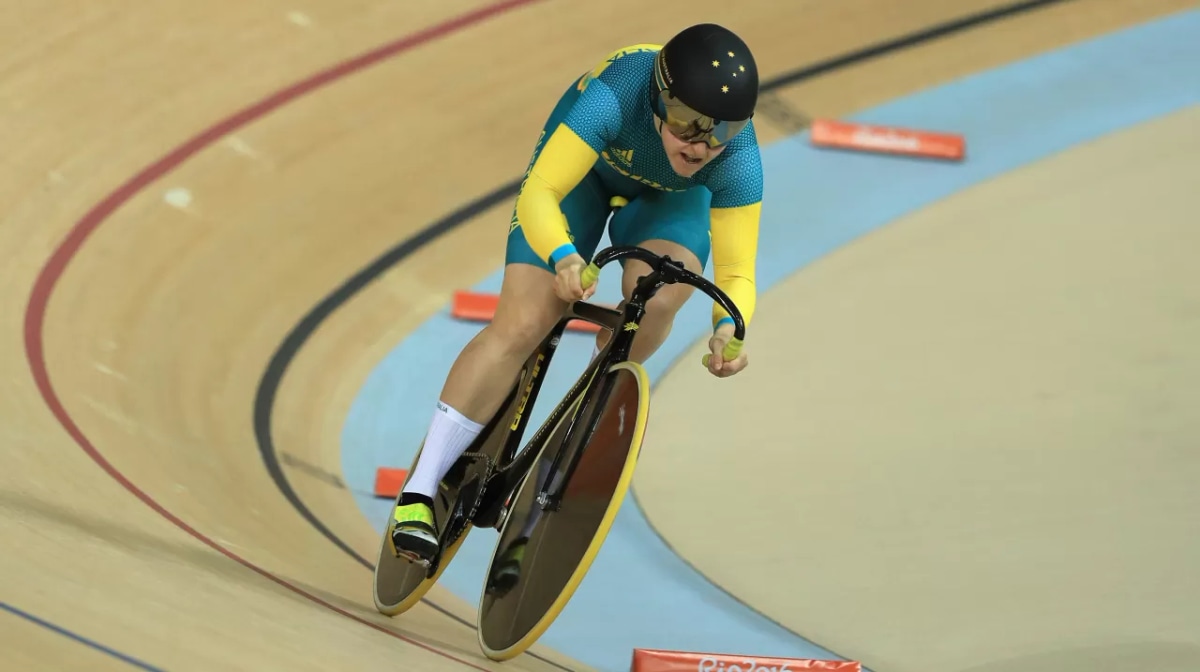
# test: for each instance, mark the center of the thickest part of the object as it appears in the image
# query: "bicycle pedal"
(402, 554)
(413, 558)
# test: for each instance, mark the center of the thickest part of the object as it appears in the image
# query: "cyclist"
(668, 128)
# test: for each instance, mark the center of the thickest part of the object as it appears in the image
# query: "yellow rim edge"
(423, 587)
(602, 530)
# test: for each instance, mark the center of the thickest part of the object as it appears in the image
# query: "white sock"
(449, 435)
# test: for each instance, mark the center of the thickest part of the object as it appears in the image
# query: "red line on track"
(52, 271)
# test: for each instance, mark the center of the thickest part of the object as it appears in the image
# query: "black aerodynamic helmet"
(705, 84)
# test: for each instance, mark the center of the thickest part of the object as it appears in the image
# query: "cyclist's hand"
(716, 346)
(567, 284)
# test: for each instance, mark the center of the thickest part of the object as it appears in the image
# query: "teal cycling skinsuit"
(607, 108)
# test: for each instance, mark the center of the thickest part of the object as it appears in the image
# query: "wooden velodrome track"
(173, 203)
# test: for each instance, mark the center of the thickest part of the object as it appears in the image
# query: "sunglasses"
(691, 126)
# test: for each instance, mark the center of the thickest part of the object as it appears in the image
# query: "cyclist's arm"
(571, 150)
(734, 250)
(562, 164)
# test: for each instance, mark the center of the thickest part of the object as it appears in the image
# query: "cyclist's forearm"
(734, 250)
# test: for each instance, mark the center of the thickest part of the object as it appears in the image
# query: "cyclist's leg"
(671, 223)
(480, 377)
(484, 371)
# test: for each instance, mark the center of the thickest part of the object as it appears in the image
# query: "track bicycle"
(554, 499)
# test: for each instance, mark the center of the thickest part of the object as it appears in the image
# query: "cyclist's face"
(686, 157)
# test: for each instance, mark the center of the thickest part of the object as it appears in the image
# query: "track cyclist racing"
(665, 133)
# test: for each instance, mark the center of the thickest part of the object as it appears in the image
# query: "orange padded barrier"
(651, 660)
(887, 140)
(480, 307)
(388, 481)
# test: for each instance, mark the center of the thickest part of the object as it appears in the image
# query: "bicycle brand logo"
(537, 367)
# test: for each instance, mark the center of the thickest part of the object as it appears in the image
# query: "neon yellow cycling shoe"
(413, 534)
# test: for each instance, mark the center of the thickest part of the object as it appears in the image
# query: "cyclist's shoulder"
(736, 176)
(742, 158)
(625, 68)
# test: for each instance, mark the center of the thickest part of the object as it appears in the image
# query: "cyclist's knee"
(520, 331)
(661, 309)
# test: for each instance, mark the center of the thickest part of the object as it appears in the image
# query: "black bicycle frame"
(514, 463)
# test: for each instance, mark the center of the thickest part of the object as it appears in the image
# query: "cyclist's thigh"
(679, 217)
(674, 217)
(528, 306)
